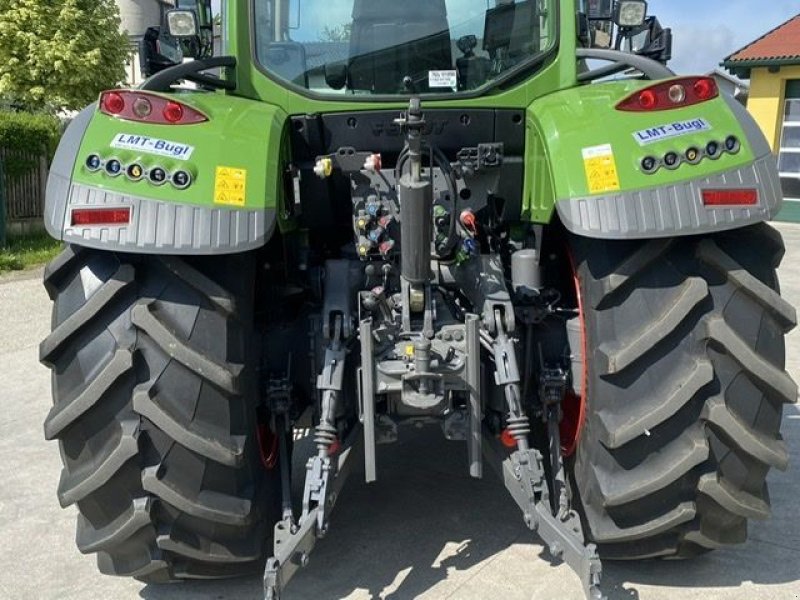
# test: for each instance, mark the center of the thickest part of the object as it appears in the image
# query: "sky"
(706, 31)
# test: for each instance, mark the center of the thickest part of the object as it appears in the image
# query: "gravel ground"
(423, 531)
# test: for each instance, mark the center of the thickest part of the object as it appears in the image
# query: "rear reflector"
(507, 439)
(730, 197)
(101, 216)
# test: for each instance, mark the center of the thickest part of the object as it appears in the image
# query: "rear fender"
(233, 160)
(585, 159)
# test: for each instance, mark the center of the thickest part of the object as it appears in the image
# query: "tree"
(339, 33)
(59, 54)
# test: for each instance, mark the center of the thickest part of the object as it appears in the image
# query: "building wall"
(133, 70)
(138, 15)
(767, 97)
(766, 103)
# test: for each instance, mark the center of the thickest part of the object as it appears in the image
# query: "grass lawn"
(28, 251)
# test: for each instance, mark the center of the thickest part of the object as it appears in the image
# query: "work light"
(182, 23)
(630, 13)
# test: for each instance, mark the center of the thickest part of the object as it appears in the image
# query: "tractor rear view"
(374, 214)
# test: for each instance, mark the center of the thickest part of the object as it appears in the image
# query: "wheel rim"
(574, 405)
(267, 444)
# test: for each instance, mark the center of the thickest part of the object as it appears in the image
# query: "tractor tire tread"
(683, 411)
(154, 411)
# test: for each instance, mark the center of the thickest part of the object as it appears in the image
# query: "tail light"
(675, 93)
(113, 103)
(732, 197)
(144, 107)
(101, 216)
(173, 112)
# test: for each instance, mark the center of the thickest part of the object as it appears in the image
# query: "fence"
(24, 192)
(2, 208)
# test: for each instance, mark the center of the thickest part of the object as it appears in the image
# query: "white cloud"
(706, 31)
(699, 49)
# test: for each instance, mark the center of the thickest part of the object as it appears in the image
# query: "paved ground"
(424, 532)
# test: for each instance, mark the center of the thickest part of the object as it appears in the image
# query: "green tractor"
(508, 218)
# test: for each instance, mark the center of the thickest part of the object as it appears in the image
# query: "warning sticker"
(443, 79)
(230, 186)
(601, 169)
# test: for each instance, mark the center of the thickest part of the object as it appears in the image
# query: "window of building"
(789, 153)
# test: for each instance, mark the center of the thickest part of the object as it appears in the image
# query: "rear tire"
(685, 389)
(154, 385)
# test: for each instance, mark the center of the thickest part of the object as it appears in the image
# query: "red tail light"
(675, 93)
(173, 112)
(746, 197)
(144, 107)
(705, 88)
(648, 100)
(112, 103)
(101, 216)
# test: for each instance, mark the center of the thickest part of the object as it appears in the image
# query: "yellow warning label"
(230, 186)
(601, 169)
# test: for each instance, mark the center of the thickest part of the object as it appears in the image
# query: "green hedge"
(26, 132)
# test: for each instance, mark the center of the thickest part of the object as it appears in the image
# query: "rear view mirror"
(182, 24)
(336, 75)
(650, 40)
(158, 51)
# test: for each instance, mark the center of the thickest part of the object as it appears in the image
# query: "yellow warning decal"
(230, 186)
(601, 169)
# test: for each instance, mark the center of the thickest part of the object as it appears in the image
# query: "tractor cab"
(383, 47)
(368, 48)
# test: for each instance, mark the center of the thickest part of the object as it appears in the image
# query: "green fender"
(232, 160)
(584, 162)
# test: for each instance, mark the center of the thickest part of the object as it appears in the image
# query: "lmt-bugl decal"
(670, 130)
(151, 145)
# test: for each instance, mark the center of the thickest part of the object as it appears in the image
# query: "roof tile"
(781, 43)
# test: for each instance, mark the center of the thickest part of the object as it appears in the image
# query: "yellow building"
(772, 63)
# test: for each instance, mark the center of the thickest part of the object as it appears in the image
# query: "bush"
(23, 134)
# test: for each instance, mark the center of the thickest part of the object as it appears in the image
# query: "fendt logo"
(391, 129)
